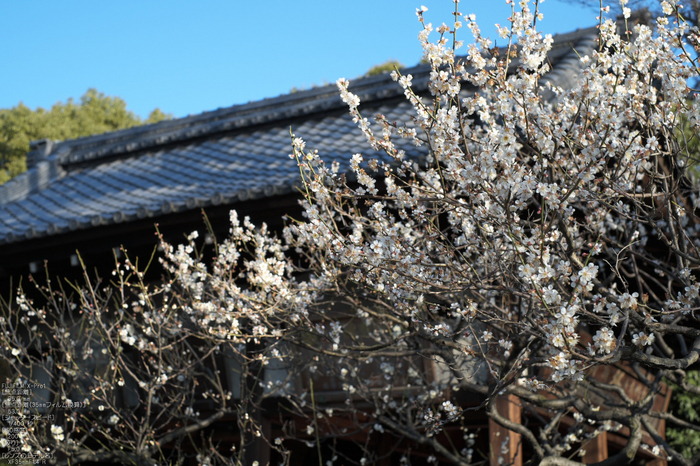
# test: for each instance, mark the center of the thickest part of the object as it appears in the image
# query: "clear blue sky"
(187, 57)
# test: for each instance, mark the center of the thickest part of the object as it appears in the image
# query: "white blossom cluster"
(547, 231)
(520, 191)
(530, 211)
(512, 235)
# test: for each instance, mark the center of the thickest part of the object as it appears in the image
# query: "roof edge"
(295, 105)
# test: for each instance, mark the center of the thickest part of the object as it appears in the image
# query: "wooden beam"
(596, 449)
(259, 449)
(505, 443)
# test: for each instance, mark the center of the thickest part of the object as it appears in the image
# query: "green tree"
(686, 405)
(95, 113)
(386, 67)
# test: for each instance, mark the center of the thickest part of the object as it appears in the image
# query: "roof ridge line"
(80, 150)
(324, 98)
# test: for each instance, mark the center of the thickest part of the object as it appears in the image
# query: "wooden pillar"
(596, 449)
(502, 439)
(259, 448)
(384, 450)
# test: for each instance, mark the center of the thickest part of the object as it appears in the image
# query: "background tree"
(386, 67)
(543, 244)
(686, 400)
(95, 113)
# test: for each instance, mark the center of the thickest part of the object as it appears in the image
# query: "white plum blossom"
(641, 339)
(588, 274)
(507, 238)
(57, 432)
(604, 341)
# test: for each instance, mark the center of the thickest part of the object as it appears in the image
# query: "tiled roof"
(219, 157)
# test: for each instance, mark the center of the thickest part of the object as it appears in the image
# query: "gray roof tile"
(224, 156)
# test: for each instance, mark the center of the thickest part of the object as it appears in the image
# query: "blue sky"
(187, 57)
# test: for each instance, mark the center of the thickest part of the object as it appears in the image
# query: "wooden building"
(97, 194)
